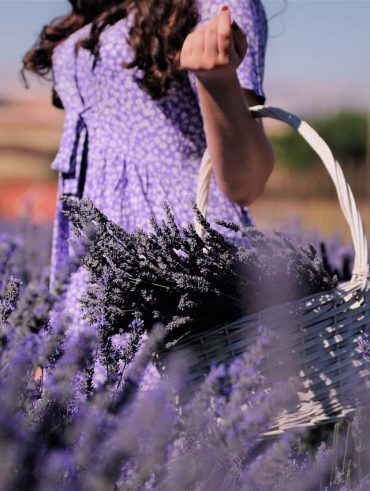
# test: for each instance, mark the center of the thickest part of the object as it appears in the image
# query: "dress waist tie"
(71, 158)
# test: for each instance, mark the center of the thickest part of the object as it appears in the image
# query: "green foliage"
(345, 133)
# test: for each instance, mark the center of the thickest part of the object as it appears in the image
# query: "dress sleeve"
(250, 15)
(71, 154)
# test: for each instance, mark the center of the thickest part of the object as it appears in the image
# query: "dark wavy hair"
(156, 36)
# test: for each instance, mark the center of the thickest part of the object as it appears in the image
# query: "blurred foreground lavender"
(119, 437)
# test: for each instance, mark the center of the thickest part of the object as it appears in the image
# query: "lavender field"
(71, 433)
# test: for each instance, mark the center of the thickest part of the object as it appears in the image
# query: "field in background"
(310, 197)
(29, 138)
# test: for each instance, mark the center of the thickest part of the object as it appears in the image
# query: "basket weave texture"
(320, 331)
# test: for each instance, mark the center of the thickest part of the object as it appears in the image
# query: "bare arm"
(241, 154)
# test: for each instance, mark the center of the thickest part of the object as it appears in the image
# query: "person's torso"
(140, 151)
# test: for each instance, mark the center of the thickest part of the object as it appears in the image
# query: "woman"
(146, 85)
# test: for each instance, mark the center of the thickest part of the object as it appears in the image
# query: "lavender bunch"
(343, 269)
(337, 256)
(187, 282)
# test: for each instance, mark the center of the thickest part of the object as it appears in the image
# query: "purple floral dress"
(129, 153)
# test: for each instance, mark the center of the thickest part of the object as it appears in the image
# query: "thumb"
(240, 40)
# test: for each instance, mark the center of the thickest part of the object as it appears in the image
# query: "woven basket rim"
(341, 292)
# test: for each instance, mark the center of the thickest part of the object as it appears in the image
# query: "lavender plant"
(29, 245)
(187, 282)
(126, 438)
(122, 436)
(337, 255)
(364, 347)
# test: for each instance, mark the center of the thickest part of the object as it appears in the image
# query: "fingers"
(198, 44)
(214, 45)
(225, 40)
(211, 43)
(186, 51)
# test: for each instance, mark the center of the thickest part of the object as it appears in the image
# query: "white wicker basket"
(320, 330)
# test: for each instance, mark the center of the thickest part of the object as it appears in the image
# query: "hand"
(38, 379)
(214, 51)
(39, 372)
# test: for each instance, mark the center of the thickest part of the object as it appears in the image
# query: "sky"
(317, 59)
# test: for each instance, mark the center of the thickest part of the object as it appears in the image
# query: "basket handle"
(360, 271)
